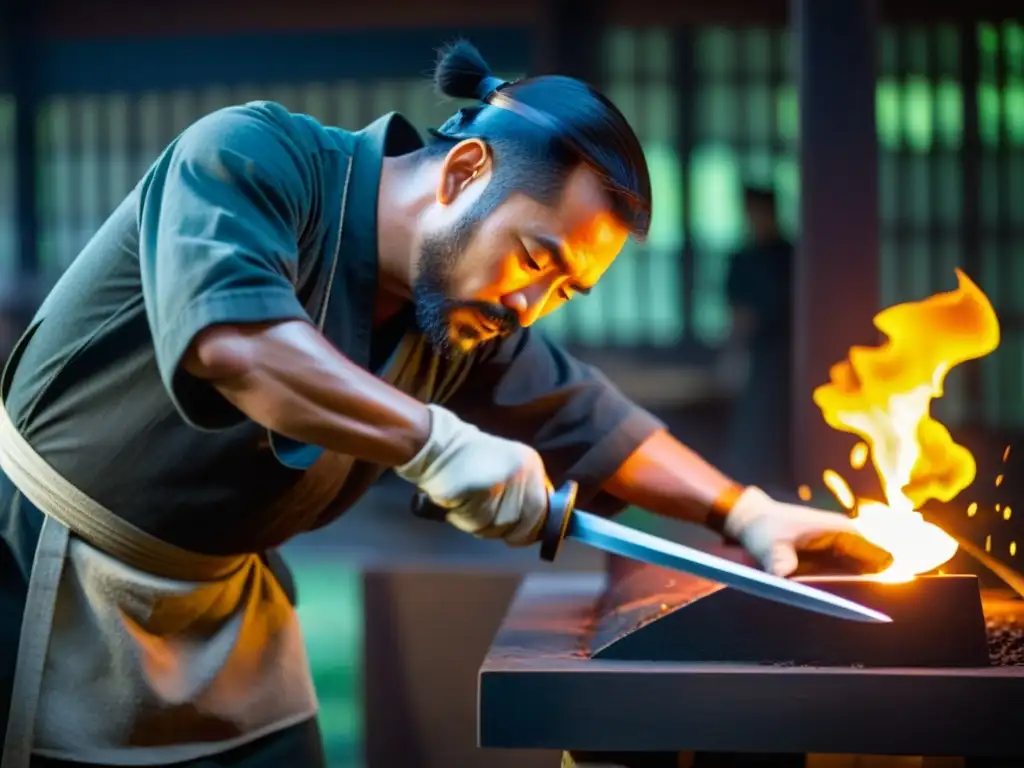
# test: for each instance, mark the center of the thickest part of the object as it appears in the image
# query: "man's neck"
(405, 190)
(386, 306)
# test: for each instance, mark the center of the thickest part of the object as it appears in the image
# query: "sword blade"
(622, 540)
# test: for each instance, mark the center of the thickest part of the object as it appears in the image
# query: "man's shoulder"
(256, 122)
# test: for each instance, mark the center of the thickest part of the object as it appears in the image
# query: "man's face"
(480, 278)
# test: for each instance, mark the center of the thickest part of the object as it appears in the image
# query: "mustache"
(505, 319)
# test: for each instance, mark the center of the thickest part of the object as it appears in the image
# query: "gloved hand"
(495, 488)
(774, 533)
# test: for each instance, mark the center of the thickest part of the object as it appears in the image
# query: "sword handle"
(425, 509)
(561, 503)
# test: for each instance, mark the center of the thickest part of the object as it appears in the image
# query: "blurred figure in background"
(756, 364)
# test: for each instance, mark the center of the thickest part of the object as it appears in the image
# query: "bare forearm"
(288, 378)
(665, 477)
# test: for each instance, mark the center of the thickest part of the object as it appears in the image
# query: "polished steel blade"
(625, 541)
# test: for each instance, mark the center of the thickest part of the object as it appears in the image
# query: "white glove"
(495, 488)
(774, 532)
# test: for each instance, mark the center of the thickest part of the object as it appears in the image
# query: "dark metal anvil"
(645, 660)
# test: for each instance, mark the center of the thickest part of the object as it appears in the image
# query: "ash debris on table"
(1005, 641)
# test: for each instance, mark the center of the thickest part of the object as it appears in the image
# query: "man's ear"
(466, 162)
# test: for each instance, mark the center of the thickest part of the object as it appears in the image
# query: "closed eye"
(568, 292)
(527, 260)
(577, 290)
(553, 253)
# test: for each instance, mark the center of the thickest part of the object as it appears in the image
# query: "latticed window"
(715, 108)
(8, 226)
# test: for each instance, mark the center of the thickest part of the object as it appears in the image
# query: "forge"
(639, 660)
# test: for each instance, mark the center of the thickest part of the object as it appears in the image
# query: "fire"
(859, 455)
(883, 395)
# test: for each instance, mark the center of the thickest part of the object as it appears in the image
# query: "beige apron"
(136, 652)
(133, 651)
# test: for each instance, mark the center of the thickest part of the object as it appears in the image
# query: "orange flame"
(859, 455)
(883, 395)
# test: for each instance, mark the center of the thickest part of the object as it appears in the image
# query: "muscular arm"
(290, 379)
(221, 215)
(532, 390)
(665, 477)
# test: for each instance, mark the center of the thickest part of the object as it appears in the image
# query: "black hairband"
(488, 86)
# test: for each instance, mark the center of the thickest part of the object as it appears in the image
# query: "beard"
(439, 256)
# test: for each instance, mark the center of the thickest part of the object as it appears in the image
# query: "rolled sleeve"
(220, 216)
(531, 390)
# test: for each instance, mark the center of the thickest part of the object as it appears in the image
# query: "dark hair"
(755, 195)
(539, 129)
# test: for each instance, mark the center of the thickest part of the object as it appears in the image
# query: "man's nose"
(529, 302)
(517, 302)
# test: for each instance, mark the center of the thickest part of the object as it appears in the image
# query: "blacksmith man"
(279, 312)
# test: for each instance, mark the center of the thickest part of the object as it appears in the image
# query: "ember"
(883, 395)
(1005, 642)
(1004, 626)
